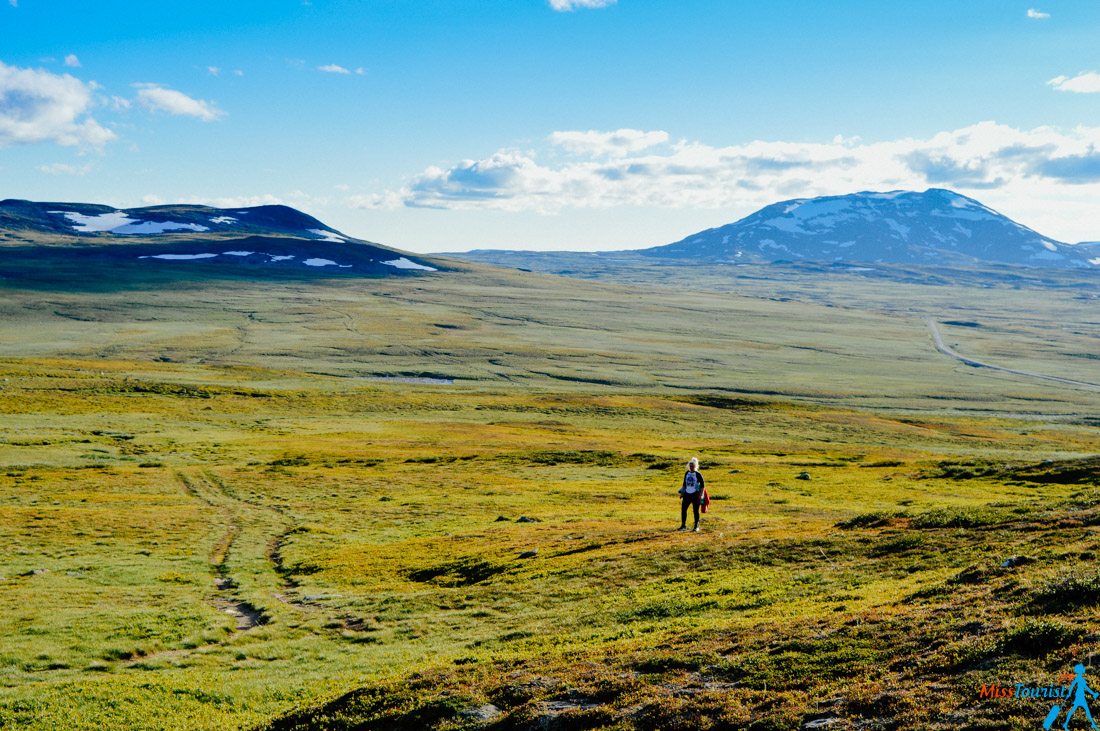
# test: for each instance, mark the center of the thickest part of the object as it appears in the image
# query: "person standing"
(691, 493)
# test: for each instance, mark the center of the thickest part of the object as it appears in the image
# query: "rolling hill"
(52, 242)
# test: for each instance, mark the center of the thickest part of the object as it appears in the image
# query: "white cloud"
(152, 199)
(60, 168)
(1044, 175)
(13, 3)
(155, 97)
(235, 201)
(389, 200)
(332, 68)
(296, 198)
(1037, 14)
(72, 61)
(213, 70)
(1086, 82)
(617, 143)
(38, 106)
(238, 72)
(566, 5)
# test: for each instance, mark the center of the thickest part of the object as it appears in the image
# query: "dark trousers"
(693, 500)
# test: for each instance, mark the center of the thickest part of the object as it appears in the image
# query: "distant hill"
(40, 241)
(937, 227)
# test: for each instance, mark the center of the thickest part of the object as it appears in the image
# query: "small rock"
(486, 712)
(1012, 561)
(525, 519)
(500, 519)
(822, 723)
(530, 554)
(803, 476)
(35, 572)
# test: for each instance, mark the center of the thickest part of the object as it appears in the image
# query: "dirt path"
(213, 491)
(937, 339)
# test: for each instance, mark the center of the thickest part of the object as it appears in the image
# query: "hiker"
(691, 493)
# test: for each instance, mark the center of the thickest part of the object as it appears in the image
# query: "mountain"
(937, 227)
(61, 239)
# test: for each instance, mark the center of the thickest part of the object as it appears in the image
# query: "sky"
(448, 125)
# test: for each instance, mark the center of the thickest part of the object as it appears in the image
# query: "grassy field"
(213, 515)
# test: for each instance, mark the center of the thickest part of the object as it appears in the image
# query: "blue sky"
(440, 125)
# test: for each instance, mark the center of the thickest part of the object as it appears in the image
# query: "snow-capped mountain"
(276, 238)
(86, 218)
(936, 227)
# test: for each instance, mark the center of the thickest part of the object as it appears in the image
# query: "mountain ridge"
(90, 219)
(46, 241)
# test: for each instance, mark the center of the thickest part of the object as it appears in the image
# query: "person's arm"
(702, 483)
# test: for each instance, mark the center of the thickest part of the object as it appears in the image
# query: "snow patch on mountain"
(95, 224)
(118, 222)
(178, 257)
(405, 263)
(328, 236)
(157, 227)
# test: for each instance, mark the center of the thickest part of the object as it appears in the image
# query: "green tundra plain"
(448, 501)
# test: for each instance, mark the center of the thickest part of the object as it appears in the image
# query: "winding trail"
(256, 533)
(937, 339)
(212, 491)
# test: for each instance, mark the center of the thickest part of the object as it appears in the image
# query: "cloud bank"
(38, 106)
(1086, 82)
(157, 98)
(1041, 170)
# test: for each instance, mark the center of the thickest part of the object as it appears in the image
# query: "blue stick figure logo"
(1077, 690)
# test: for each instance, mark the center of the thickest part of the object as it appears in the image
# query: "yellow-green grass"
(169, 455)
(359, 524)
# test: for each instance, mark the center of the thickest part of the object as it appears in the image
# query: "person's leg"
(684, 511)
(698, 498)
